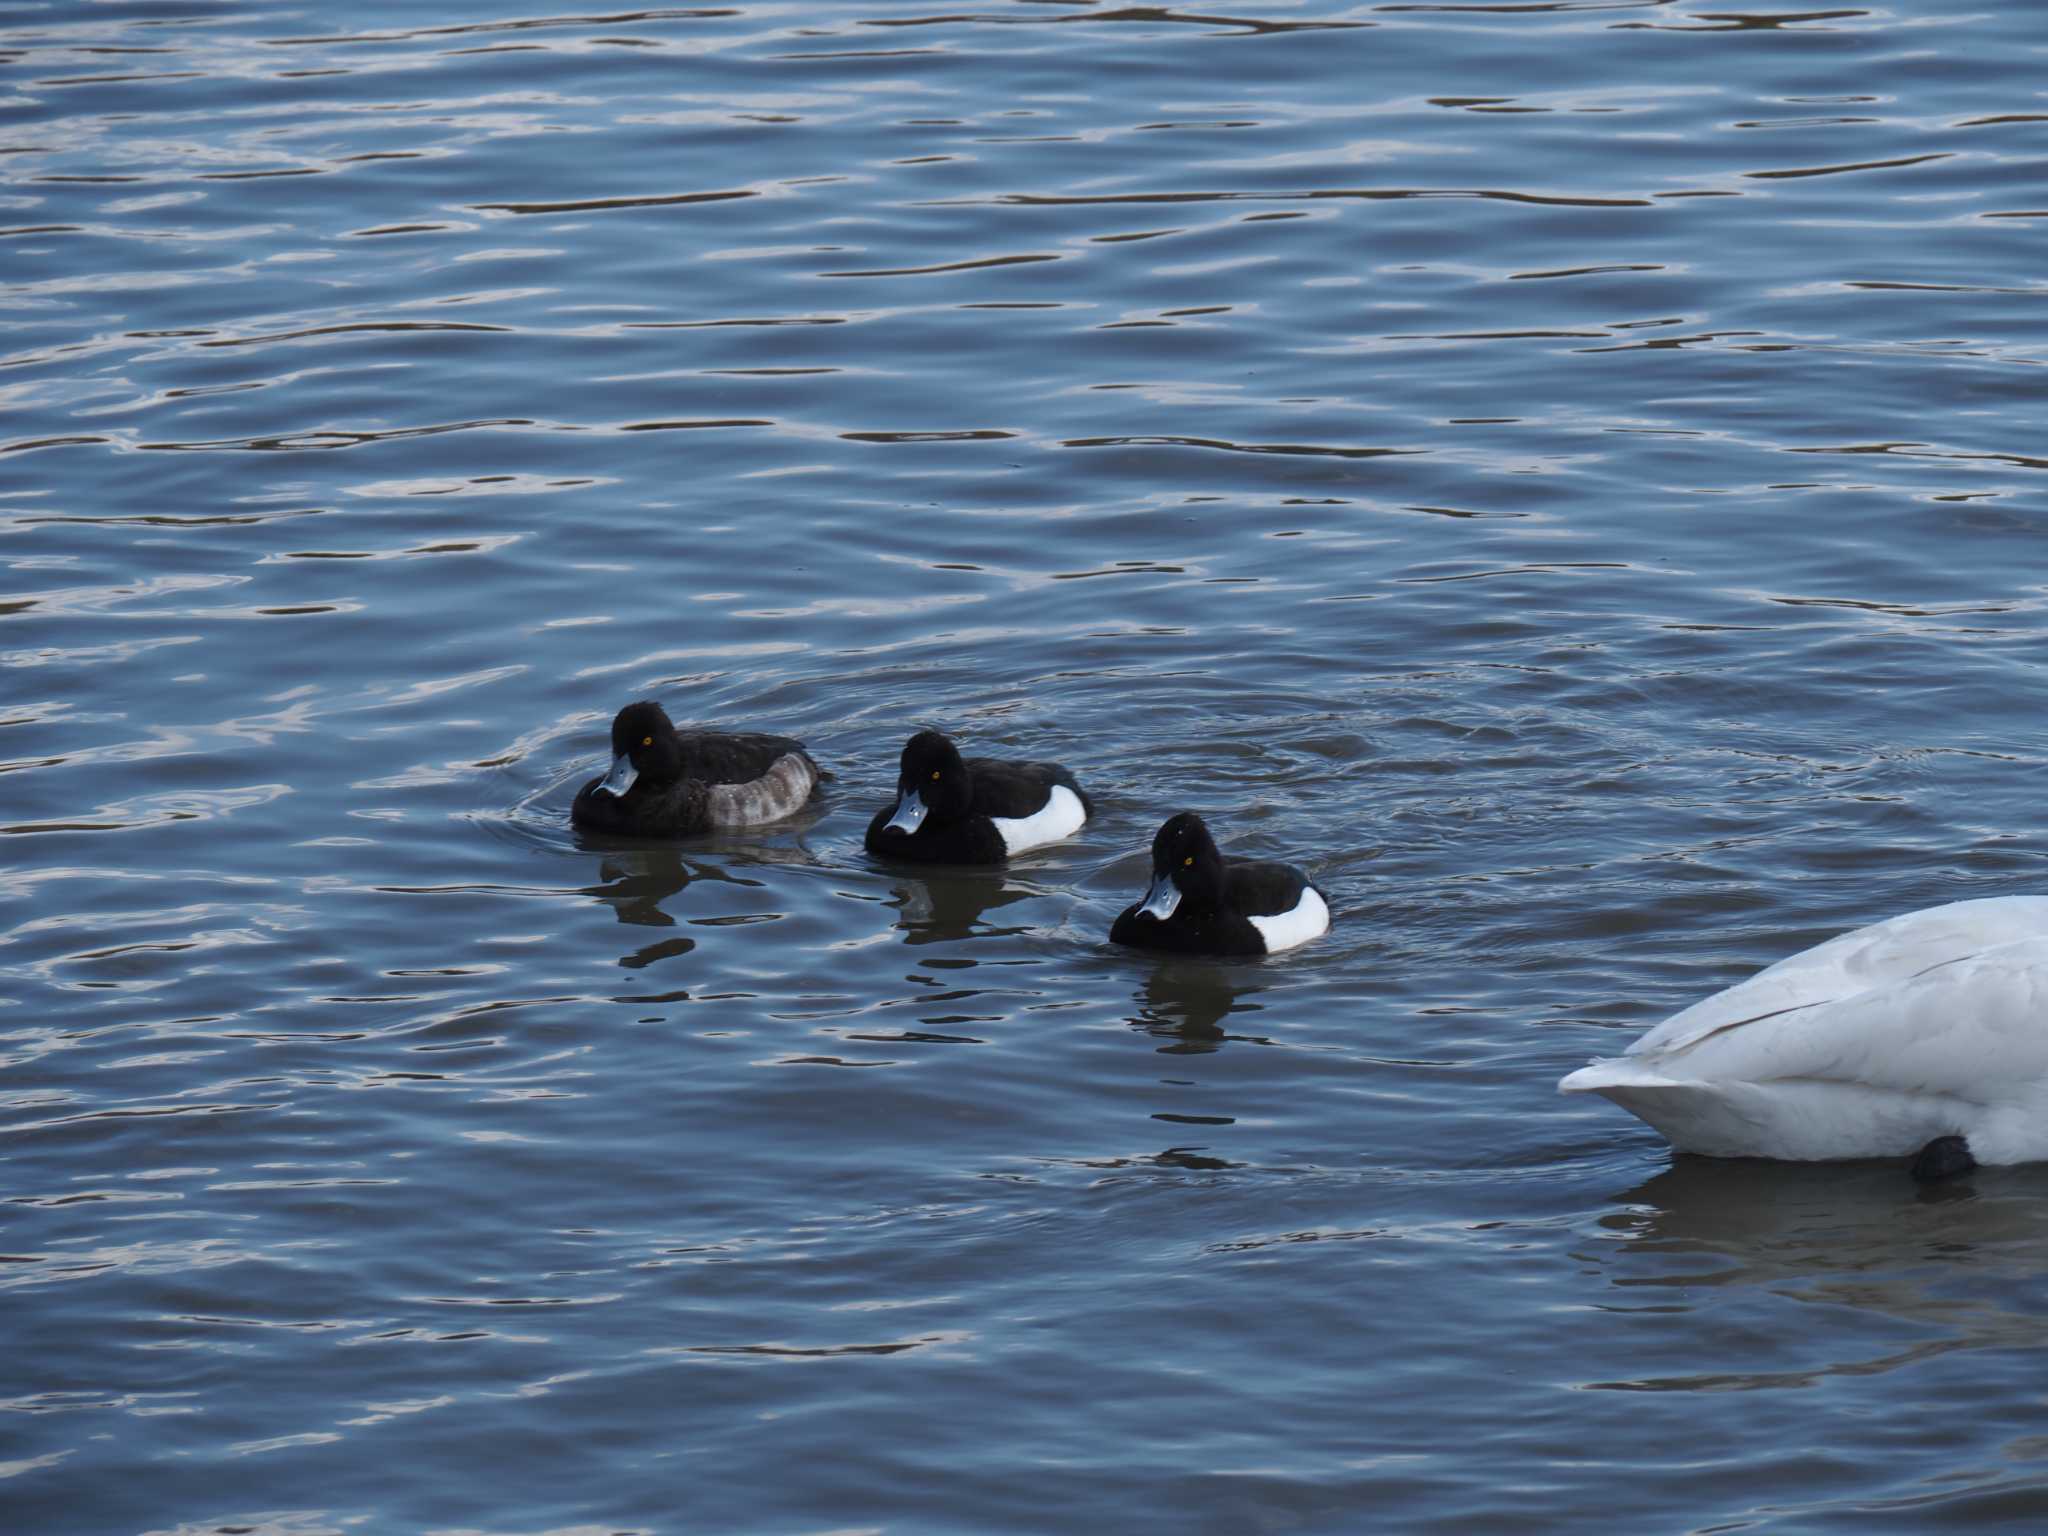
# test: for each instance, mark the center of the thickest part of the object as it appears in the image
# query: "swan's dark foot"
(1943, 1158)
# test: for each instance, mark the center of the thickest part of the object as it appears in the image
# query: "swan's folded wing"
(1974, 1029)
(1882, 955)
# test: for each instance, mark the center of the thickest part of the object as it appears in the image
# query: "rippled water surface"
(1568, 474)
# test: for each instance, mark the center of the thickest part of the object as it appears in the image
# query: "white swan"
(1926, 1034)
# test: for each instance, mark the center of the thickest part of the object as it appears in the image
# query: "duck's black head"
(644, 746)
(1185, 867)
(932, 782)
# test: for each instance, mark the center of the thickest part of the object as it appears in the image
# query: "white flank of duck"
(1308, 919)
(1060, 816)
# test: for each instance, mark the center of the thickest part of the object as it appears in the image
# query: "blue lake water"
(1567, 474)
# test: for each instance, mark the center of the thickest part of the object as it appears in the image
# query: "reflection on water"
(636, 883)
(1192, 1159)
(1186, 1002)
(944, 907)
(1958, 1264)
(1753, 1222)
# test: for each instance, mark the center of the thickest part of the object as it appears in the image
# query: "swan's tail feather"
(1618, 1072)
(1719, 1119)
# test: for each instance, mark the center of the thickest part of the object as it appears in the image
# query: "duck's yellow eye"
(1188, 862)
(935, 775)
(646, 741)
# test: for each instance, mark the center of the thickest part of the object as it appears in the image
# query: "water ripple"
(1561, 471)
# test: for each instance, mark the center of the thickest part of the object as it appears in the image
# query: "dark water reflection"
(1927, 1272)
(1188, 1003)
(943, 908)
(1567, 475)
(636, 887)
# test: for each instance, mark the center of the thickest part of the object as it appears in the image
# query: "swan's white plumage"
(1870, 1045)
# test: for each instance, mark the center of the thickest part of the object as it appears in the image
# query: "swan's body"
(1929, 1026)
